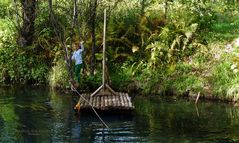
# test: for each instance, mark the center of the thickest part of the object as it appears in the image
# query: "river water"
(37, 114)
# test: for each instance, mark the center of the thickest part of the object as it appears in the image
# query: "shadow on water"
(36, 114)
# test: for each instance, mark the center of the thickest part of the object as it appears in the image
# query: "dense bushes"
(58, 76)
(152, 46)
(180, 53)
(19, 65)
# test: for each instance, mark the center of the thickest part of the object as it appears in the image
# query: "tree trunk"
(75, 16)
(57, 29)
(166, 9)
(92, 28)
(26, 33)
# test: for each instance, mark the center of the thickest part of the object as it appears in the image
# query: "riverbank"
(190, 47)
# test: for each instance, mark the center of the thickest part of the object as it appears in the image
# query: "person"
(77, 58)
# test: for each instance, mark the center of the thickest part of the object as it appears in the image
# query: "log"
(103, 105)
(121, 100)
(92, 101)
(114, 101)
(125, 101)
(82, 101)
(129, 101)
(95, 102)
(111, 100)
(98, 102)
(88, 99)
(106, 102)
(102, 102)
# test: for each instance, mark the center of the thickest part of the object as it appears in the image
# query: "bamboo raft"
(104, 98)
(121, 101)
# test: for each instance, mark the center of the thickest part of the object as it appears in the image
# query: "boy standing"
(77, 57)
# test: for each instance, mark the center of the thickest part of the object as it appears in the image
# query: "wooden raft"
(105, 98)
(121, 101)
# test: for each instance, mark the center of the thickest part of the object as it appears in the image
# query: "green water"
(36, 114)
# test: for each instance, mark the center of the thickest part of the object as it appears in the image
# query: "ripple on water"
(123, 132)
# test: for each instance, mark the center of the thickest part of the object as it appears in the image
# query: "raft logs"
(121, 101)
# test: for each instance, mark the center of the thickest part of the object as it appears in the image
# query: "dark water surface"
(36, 114)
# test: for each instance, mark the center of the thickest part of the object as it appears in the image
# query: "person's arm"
(73, 56)
(82, 46)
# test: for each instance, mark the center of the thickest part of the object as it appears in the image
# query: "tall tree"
(60, 35)
(93, 8)
(27, 29)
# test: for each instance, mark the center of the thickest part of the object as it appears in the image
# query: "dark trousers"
(78, 71)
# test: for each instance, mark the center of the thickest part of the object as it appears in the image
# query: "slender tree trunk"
(75, 16)
(57, 29)
(26, 33)
(92, 25)
(166, 9)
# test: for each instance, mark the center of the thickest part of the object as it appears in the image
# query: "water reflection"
(171, 120)
(35, 114)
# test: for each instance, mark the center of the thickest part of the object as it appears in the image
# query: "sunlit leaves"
(58, 76)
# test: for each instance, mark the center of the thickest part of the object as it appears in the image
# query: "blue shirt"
(77, 55)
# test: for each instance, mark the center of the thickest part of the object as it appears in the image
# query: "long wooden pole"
(104, 85)
(104, 32)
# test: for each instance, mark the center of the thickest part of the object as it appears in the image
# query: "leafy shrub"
(58, 76)
(187, 82)
(122, 76)
(225, 81)
(91, 83)
(19, 65)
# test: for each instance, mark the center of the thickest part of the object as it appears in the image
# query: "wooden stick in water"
(197, 97)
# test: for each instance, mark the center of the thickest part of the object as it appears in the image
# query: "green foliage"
(233, 92)
(153, 46)
(7, 32)
(225, 81)
(91, 83)
(186, 82)
(221, 77)
(21, 67)
(166, 43)
(122, 76)
(18, 65)
(59, 76)
(225, 27)
(4, 4)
